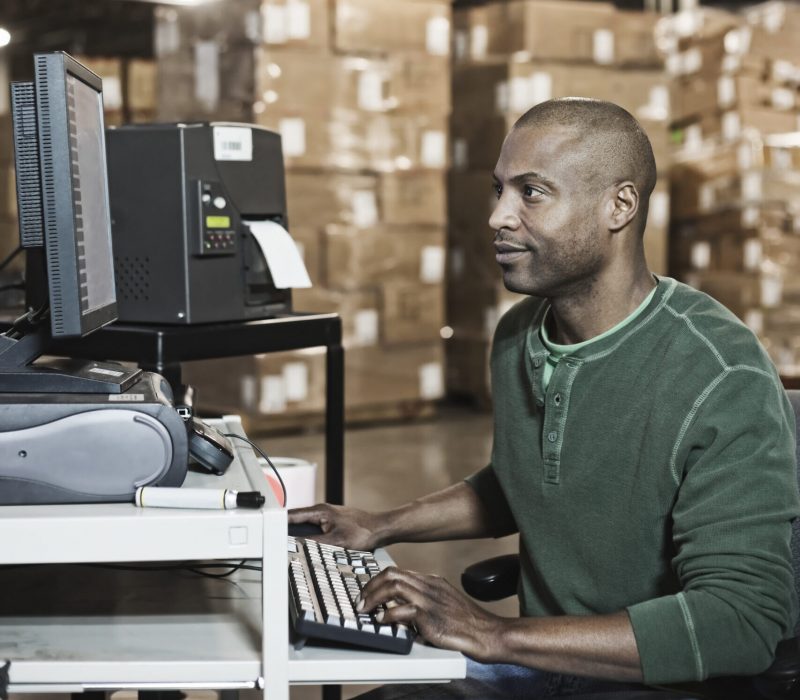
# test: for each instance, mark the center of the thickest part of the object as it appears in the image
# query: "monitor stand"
(20, 374)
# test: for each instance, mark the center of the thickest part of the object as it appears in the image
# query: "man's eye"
(530, 191)
(498, 190)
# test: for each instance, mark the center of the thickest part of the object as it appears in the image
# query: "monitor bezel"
(67, 319)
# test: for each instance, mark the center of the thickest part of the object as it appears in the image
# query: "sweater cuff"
(665, 639)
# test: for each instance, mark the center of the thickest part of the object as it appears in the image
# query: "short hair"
(611, 134)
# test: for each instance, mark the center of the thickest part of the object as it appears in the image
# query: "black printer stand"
(161, 349)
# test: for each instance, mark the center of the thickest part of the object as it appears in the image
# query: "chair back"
(794, 398)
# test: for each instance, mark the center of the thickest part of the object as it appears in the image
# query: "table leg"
(334, 425)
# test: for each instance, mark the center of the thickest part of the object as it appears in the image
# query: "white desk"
(70, 628)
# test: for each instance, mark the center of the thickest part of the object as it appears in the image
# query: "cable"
(266, 457)
(7, 260)
(197, 569)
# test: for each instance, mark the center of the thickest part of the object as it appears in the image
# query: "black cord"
(10, 257)
(194, 568)
(265, 456)
(9, 287)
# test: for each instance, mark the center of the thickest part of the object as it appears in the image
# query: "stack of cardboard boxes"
(508, 57)
(359, 91)
(736, 173)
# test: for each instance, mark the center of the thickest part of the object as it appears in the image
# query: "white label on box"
(771, 291)
(457, 262)
(783, 71)
(774, 16)
(603, 47)
(479, 42)
(273, 394)
(460, 154)
(298, 19)
(781, 98)
(658, 214)
(700, 255)
(112, 92)
(249, 391)
(365, 326)
(518, 98)
(252, 26)
(781, 158)
(745, 156)
(705, 197)
(753, 254)
(431, 380)
(541, 88)
(731, 126)
(434, 149)
(274, 24)
(431, 268)
(685, 62)
(365, 208)
(693, 137)
(502, 96)
(233, 143)
(752, 186)
(658, 106)
(731, 64)
(167, 35)
(460, 44)
(437, 36)
(726, 91)
(206, 74)
(750, 217)
(293, 136)
(370, 91)
(754, 320)
(295, 378)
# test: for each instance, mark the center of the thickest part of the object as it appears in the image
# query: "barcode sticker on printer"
(108, 372)
(126, 397)
(233, 143)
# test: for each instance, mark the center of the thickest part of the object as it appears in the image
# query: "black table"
(161, 349)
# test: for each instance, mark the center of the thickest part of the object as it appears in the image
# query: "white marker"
(166, 497)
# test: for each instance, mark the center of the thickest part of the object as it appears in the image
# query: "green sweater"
(656, 475)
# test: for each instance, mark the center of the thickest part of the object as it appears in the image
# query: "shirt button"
(557, 399)
(537, 362)
(553, 436)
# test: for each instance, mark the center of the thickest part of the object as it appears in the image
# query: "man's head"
(573, 183)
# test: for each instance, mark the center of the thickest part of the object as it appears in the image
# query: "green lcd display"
(218, 222)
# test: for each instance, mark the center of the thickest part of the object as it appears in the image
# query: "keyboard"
(324, 583)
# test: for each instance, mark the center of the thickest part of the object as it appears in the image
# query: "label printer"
(198, 219)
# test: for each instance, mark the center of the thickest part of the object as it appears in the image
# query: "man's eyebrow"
(524, 177)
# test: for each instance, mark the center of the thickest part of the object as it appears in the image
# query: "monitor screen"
(90, 195)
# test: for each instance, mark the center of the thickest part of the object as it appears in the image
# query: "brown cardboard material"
(411, 312)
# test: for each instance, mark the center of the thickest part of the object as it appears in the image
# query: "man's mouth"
(507, 252)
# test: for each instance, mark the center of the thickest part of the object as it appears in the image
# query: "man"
(643, 445)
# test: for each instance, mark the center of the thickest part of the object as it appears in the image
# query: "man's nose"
(503, 215)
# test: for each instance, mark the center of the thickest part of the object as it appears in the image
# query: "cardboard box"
(414, 197)
(411, 312)
(564, 30)
(141, 83)
(317, 199)
(399, 83)
(110, 71)
(353, 140)
(359, 310)
(377, 26)
(356, 259)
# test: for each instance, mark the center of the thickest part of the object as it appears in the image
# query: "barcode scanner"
(209, 448)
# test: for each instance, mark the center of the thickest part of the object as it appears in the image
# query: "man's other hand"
(342, 526)
(442, 615)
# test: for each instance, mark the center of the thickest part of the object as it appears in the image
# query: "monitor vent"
(49, 196)
(132, 275)
(26, 161)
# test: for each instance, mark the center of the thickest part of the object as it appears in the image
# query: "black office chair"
(497, 578)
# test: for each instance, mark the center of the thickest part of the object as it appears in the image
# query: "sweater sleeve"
(737, 495)
(488, 489)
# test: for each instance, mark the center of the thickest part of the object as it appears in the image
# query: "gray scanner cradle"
(82, 448)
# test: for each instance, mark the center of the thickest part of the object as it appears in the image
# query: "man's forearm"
(453, 513)
(601, 646)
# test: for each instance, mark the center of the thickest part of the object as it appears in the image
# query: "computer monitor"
(65, 227)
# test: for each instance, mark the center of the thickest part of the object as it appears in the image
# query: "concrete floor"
(386, 466)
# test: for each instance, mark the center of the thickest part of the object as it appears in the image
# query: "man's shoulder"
(714, 329)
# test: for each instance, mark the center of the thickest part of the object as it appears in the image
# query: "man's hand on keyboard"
(342, 526)
(442, 615)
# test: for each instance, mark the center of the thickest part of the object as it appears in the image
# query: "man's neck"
(594, 310)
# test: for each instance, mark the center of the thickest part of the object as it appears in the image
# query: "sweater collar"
(607, 342)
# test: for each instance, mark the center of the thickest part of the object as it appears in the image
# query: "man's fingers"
(390, 585)
(406, 613)
(310, 514)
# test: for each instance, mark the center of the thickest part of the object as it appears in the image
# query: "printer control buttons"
(220, 203)
(206, 198)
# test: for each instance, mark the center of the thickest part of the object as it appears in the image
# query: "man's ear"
(622, 206)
